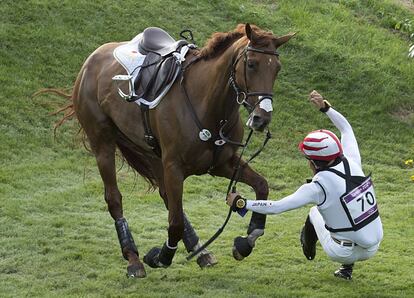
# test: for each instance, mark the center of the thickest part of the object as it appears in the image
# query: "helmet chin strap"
(315, 167)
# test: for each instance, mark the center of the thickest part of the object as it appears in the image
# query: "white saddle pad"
(128, 56)
(131, 60)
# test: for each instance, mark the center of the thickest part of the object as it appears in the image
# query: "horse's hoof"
(236, 254)
(206, 260)
(241, 248)
(151, 258)
(136, 270)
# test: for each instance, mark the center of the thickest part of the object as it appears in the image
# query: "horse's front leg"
(190, 238)
(173, 182)
(243, 246)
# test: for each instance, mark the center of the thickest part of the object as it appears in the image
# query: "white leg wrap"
(170, 247)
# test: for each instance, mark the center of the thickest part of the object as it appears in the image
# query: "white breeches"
(338, 252)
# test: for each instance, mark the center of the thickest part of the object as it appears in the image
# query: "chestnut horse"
(236, 67)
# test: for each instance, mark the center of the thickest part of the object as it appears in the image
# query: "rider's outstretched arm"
(348, 140)
(310, 193)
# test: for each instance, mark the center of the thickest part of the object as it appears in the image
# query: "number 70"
(369, 197)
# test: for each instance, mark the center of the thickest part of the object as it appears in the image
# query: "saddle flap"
(156, 73)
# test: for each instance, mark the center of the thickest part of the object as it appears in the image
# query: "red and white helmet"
(321, 144)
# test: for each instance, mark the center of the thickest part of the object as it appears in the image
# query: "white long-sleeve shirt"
(325, 190)
(311, 193)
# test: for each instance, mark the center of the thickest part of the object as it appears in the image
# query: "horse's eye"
(251, 64)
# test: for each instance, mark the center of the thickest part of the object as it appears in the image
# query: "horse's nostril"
(257, 118)
(259, 123)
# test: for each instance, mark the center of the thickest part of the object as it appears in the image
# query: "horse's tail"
(128, 150)
(68, 110)
(137, 160)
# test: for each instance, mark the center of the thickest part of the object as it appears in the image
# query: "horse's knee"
(113, 199)
(112, 194)
(163, 195)
(261, 188)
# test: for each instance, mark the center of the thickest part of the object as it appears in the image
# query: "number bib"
(360, 204)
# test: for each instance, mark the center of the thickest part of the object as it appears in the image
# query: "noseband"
(243, 95)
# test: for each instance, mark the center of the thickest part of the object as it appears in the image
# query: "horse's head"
(254, 72)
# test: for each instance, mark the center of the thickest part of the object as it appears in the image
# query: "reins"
(241, 98)
(232, 187)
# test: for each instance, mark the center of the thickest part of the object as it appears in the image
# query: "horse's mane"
(220, 41)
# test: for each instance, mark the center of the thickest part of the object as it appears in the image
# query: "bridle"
(239, 168)
(243, 95)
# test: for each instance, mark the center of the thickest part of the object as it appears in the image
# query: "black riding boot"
(308, 240)
(345, 271)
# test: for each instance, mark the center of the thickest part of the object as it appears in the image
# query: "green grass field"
(56, 236)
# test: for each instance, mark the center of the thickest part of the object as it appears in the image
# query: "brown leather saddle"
(160, 66)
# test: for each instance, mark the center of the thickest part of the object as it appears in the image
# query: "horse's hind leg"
(192, 243)
(243, 246)
(105, 157)
(101, 134)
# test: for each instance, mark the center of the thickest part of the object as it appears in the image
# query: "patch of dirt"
(406, 3)
(404, 114)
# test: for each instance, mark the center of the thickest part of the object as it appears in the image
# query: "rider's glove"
(326, 107)
(238, 204)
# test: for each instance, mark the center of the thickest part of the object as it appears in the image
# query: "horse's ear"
(249, 32)
(283, 39)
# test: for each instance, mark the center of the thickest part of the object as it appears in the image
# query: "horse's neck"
(217, 98)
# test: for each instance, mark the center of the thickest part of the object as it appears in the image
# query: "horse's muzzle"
(258, 122)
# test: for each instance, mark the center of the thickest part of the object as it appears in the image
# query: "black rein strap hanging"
(232, 187)
(221, 229)
(241, 98)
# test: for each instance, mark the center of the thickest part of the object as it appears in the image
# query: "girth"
(149, 136)
(157, 72)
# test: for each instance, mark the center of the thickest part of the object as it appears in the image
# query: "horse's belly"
(202, 163)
